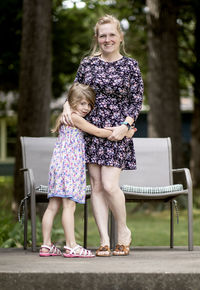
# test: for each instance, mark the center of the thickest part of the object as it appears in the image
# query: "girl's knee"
(68, 203)
(54, 204)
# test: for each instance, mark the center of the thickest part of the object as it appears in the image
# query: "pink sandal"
(77, 252)
(53, 251)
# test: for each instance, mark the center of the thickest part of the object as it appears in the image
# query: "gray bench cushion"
(133, 189)
(147, 190)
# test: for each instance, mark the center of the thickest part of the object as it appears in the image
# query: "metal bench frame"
(154, 169)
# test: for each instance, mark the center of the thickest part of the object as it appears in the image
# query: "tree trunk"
(164, 117)
(35, 78)
(195, 128)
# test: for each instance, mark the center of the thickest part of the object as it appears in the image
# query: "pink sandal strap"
(78, 252)
(45, 247)
(55, 251)
(52, 251)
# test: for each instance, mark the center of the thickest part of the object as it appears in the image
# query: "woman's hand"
(131, 132)
(66, 115)
(118, 132)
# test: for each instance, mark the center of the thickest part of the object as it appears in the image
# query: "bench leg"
(33, 222)
(190, 223)
(85, 223)
(25, 223)
(171, 224)
(113, 232)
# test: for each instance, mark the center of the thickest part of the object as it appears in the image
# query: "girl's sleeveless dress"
(119, 93)
(67, 177)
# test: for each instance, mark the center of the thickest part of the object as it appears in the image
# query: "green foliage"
(72, 33)
(10, 31)
(71, 39)
(186, 42)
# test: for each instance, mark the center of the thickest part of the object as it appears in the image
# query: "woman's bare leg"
(116, 201)
(99, 203)
(48, 218)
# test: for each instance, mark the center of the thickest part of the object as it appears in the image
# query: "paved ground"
(145, 268)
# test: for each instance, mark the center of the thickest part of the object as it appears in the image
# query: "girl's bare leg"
(69, 207)
(48, 218)
(116, 201)
(99, 203)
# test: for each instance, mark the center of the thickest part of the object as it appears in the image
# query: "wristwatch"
(127, 124)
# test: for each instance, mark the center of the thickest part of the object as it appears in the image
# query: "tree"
(10, 31)
(189, 58)
(35, 77)
(164, 118)
(195, 141)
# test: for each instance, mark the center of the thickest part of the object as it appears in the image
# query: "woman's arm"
(87, 127)
(134, 104)
(66, 115)
(135, 96)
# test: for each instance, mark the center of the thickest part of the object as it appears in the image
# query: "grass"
(149, 226)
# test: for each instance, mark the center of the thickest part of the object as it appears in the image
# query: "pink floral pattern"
(119, 93)
(67, 177)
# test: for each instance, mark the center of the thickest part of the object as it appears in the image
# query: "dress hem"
(65, 196)
(122, 168)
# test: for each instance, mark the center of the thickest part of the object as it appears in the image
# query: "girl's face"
(109, 38)
(83, 108)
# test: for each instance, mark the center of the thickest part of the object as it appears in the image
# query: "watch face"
(128, 125)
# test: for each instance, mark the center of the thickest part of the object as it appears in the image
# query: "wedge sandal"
(121, 250)
(103, 251)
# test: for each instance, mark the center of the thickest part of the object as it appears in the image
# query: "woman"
(117, 82)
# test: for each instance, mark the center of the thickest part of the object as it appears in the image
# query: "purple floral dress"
(119, 93)
(67, 178)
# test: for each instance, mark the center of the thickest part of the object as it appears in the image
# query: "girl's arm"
(129, 134)
(87, 127)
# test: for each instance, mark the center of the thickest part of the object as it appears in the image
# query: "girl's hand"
(118, 133)
(66, 115)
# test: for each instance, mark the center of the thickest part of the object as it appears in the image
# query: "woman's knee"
(110, 187)
(110, 179)
(96, 186)
(95, 178)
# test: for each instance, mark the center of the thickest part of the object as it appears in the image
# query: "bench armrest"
(29, 181)
(187, 176)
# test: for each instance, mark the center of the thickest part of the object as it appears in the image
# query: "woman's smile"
(109, 39)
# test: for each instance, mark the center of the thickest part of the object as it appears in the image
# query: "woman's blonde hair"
(76, 94)
(105, 20)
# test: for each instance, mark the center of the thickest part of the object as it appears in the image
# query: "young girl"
(67, 178)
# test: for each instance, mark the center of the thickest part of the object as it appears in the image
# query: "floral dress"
(67, 177)
(119, 93)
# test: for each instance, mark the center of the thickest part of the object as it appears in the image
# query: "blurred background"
(42, 44)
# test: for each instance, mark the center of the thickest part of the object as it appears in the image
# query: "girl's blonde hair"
(76, 94)
(105, 20)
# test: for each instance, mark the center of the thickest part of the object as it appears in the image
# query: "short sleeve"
(135, 92)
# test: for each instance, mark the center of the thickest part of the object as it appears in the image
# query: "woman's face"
(109, 38)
